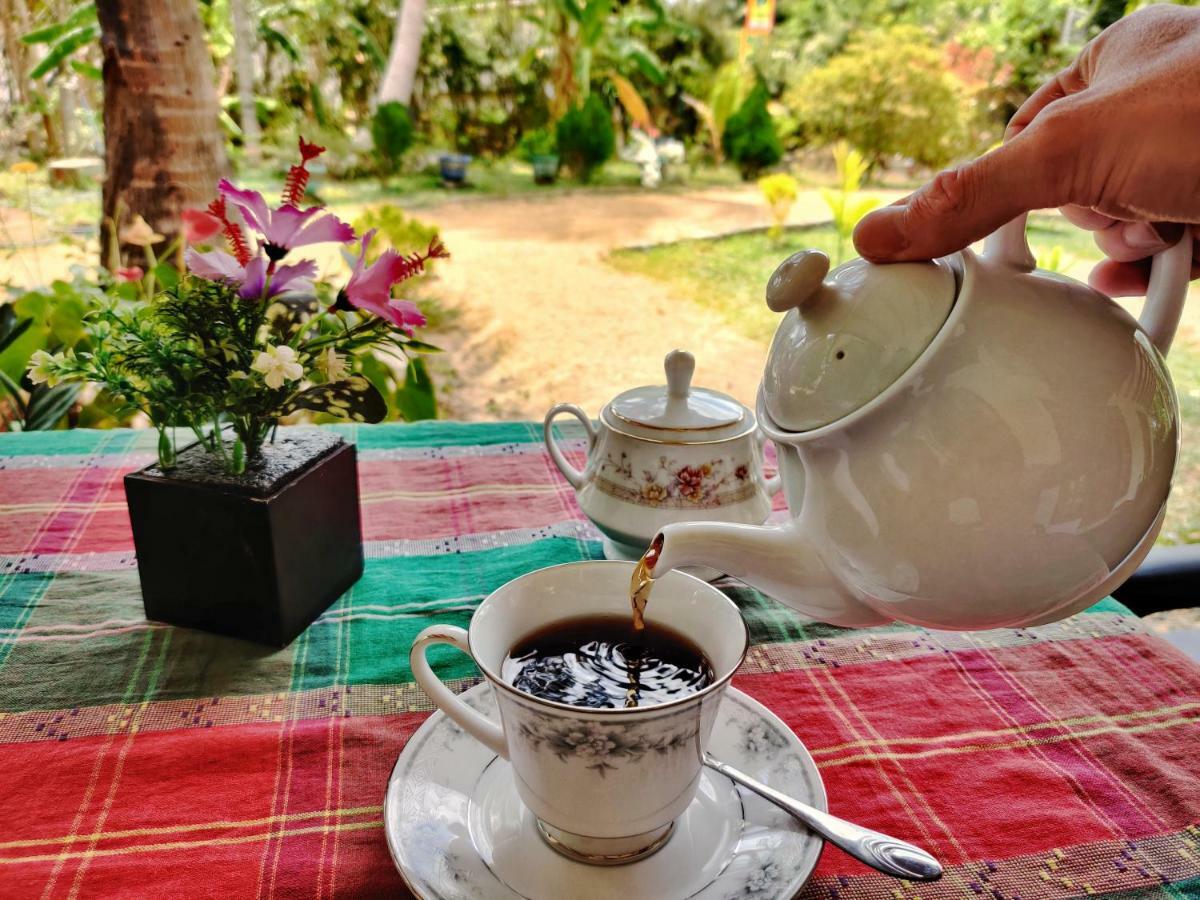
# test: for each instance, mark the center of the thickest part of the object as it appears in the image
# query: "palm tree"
(244, 40)
(164, 149)
(401, 70)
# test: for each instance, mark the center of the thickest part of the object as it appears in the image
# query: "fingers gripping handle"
(572, 474)
(473, 723)
(1170, 272)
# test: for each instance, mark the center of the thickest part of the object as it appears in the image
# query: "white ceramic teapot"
(965, 444)
(663, 454)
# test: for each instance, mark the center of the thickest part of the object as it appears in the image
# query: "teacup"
(605, 785)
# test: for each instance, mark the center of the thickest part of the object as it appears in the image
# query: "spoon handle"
(880, 852)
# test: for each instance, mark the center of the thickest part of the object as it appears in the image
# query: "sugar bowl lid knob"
(680, 366)
(797, 280)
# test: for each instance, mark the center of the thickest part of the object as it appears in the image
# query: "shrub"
(779, 191)
(392, 132)
(888, 93)
(585, 138)
(750, 141)
(539, 142)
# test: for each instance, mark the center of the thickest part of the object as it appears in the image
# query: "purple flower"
(285, 227)
(251, 281)
(370, 287)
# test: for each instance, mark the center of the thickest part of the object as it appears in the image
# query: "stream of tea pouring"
(879, 851)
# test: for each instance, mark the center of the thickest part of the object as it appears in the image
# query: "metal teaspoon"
(880, 852)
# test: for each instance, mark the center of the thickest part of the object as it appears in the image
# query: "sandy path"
(544, 319)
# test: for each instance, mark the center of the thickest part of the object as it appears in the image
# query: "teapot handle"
(1170, 273)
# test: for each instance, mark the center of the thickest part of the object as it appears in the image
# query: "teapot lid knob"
(680, 366)
(797, 280)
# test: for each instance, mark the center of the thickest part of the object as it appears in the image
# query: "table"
(142, 760)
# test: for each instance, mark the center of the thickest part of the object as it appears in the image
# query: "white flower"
(332, 365)
(43, 368)
(277, 365)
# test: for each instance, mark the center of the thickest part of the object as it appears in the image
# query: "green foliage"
(585, 137)
(779, 190)
(63, 39)
(538, 142)
(888, 93)
(481, 81)
(392, 133)
(749, 139)
(845, 205)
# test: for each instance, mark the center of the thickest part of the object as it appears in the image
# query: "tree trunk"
(243, 52)
(163, 146)
(401, 71)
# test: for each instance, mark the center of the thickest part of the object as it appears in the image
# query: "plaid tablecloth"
(142, 760)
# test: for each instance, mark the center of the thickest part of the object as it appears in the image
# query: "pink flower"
(370, 287)
(130, 273)
(286, 227)
(250, 280)
(199, 226)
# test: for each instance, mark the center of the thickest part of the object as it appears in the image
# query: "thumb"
(962, 205)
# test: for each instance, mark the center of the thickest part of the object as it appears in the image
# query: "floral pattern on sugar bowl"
(668, 483)
(666, 453)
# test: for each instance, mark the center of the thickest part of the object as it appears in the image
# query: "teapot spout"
(776, 559)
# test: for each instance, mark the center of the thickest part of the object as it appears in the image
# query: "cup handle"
(572, 474)
(473, 723)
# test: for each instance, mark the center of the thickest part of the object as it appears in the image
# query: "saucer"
(457, 830)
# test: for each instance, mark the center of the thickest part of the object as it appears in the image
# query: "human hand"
(1113, 139)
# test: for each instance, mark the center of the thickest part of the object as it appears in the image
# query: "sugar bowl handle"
(473, 723)
(572, 474)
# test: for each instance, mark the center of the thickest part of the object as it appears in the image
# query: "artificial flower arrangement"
(244, 335)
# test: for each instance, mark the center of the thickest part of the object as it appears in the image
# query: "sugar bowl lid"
(677, 411)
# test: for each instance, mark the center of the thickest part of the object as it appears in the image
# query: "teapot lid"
(700, 413)
(847, 334)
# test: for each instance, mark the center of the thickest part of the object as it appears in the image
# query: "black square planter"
(257, 556)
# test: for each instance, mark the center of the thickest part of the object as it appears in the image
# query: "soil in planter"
(279, 460)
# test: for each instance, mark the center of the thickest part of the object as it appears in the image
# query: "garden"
(593, 168)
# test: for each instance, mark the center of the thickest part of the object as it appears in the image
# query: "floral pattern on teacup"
(671, 484)
(601, 747)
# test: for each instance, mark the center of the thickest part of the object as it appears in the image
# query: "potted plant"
(453, 167)
(540, 149)
(242, 533)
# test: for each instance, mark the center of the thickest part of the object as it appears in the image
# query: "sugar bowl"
(662, 454)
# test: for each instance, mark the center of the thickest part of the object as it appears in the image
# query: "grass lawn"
(729, 274)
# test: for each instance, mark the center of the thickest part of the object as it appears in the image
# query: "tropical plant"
(888, 94)
(585, 137)
(608, 40)
(749, 138)
(779, 190)
(392, 133)
(846, 205)
(25, 406)
(730, 84)
(243, 338)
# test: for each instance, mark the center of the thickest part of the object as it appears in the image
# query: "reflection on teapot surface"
(1003, 461)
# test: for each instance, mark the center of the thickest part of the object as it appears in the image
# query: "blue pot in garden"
(545, 168)
(454, 167)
